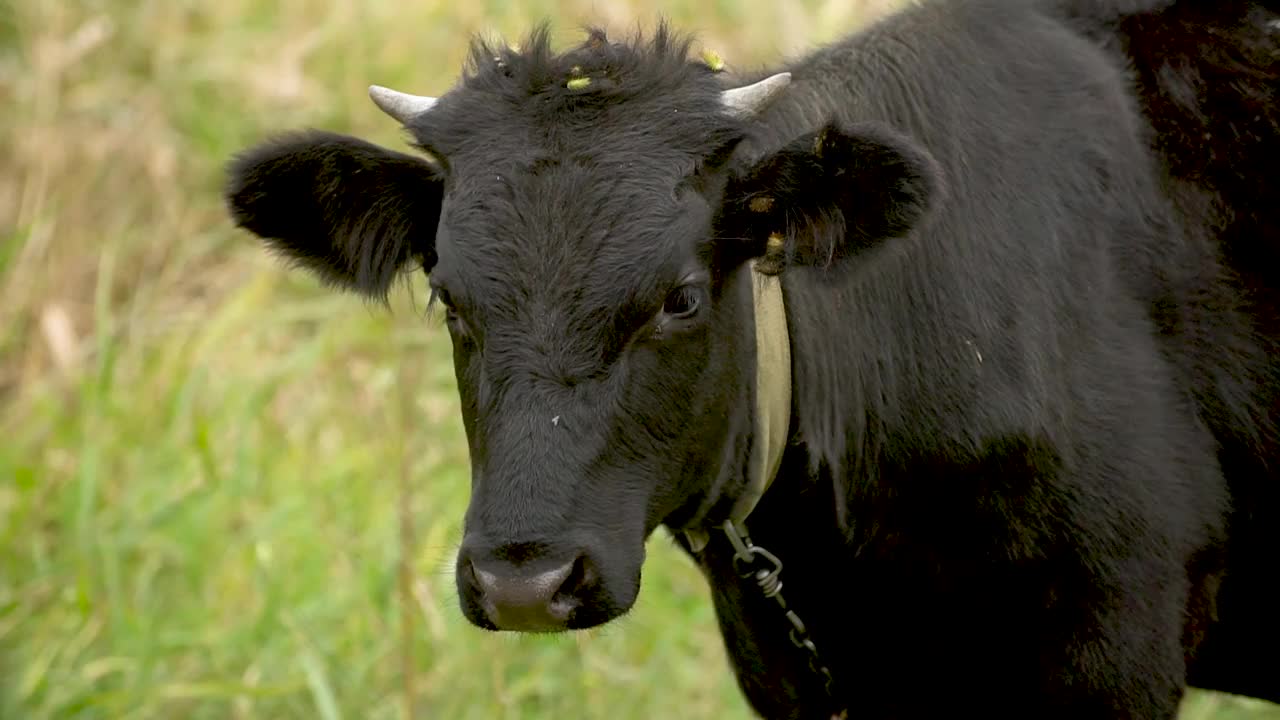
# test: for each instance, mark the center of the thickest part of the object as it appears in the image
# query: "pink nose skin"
(526, 602)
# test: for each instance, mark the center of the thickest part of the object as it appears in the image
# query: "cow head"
(586, 222)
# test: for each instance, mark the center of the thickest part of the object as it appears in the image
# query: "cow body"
(1031, 460)
(1029, 510)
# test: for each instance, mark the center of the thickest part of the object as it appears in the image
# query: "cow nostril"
(470, 575)
(581, 577)
(484, 581)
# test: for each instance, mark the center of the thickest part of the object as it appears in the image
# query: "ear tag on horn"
(713, 60)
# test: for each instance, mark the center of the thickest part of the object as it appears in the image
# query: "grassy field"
(202, 454)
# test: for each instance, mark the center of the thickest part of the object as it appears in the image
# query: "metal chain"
(768, 579)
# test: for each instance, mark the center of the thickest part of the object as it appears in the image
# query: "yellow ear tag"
(713, 60)
(819, 142)
(578, 83)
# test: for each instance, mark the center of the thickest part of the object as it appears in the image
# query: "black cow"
(986, 294)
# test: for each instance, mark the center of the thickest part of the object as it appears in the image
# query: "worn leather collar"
(772, 396)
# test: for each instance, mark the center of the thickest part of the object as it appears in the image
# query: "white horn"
(401, 106)
(751, 99)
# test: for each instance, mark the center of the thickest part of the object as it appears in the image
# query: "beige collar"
(773, 397)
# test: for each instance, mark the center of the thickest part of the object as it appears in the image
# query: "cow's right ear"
(351, 212)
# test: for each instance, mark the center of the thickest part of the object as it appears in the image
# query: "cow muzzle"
(522, 587)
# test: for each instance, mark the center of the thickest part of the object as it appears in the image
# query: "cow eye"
(451, 316)
(683, 302)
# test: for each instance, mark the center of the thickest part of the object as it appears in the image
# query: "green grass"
(201, 452)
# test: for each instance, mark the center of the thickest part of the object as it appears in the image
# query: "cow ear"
(352, 213)
(830, 195)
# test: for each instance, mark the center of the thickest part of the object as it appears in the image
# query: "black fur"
(1209, 79)
(1029, 255)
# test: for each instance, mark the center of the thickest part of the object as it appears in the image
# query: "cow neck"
(772, 426)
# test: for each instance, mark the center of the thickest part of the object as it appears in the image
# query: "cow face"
(586, 223)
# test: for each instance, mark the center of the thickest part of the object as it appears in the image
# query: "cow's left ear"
(831, 195)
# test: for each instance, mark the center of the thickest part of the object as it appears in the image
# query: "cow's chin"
(581, 618)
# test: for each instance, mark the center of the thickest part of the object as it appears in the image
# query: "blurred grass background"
(201, 452)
